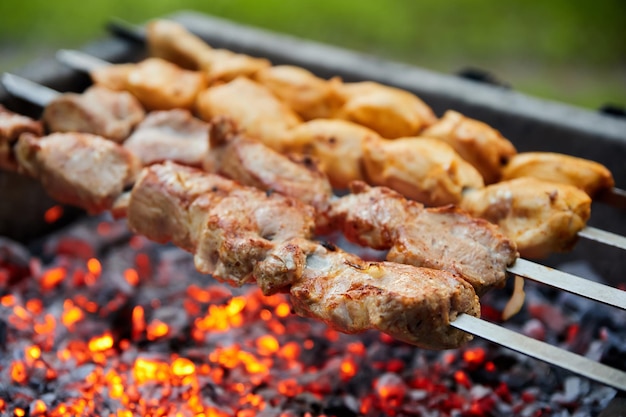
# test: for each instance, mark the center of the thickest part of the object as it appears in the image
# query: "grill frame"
(530, 123)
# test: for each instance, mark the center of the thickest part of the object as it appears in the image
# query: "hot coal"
(96, 321)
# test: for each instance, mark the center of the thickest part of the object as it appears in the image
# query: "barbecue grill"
(530, 123)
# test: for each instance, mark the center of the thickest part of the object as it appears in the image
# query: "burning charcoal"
(615, 351)
(390, 387)
(534, 328)
(14, 262)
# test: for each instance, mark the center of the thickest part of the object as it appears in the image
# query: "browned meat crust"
(171, 135)
(12, 125)
(541, 217)
(589, 176)
(254, 164)
(442, 238)
(241, 234)
(99, 111)
(80, 169)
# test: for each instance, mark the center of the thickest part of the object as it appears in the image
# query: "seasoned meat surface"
(309, 96)
(79, 169)
(241, 234)
(421, 169)
(232, 230)
(414, 305)
(251, 163)
(589, 176)
(391, 112)
(337, 146)
(541, 217)
(170, 135)
(442, 238)
(171, 41)
(478, 143)
(252, 107)
(12, 125)
(163, 203)
(99, 111)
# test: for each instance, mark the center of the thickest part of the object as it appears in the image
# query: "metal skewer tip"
(27, 90)
(542, 351)
(570, 283)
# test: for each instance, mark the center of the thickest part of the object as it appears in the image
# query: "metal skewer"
(570, 283)
(542, 351)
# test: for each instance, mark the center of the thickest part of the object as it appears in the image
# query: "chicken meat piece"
(541, 217)
(443, 238)
(12, 125)
(478, 143)
(239, 234)
(79, 169)
(170, 135)
(99, 111)
(251, 163)
(113, 77)
(252, 107)
(414, 305)
(422, 169)
(309, 96)
(336, 145)
(155, 82)
(391, 112)
(161, 85)
(171, 41)
(589, 176)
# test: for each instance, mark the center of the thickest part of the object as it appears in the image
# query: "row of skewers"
(297, 137)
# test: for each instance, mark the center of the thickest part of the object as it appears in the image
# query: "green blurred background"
(566, 50)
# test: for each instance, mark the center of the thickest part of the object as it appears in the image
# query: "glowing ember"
(138, 332)
(53, 214)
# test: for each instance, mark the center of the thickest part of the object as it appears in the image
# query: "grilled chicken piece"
(113, 77)
(251, 163)
(391, 112)
(541, 217)
(161, 85)
(12, 125)
(441, 238)
(241, 234)
(414, 305)
(170, 135)
(252, 107)
(79, 169)
(309, 96)
(478, 143)
(99, 111)
(337, 146)
(422, 169)
(589, 176)
(155, 82)
(171, 41)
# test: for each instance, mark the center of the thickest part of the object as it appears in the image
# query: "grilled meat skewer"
(441, 238)
(241, 234)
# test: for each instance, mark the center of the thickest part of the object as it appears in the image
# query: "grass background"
(572, 51)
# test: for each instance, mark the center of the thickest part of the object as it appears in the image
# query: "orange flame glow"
(52, 277)
(101, 343)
